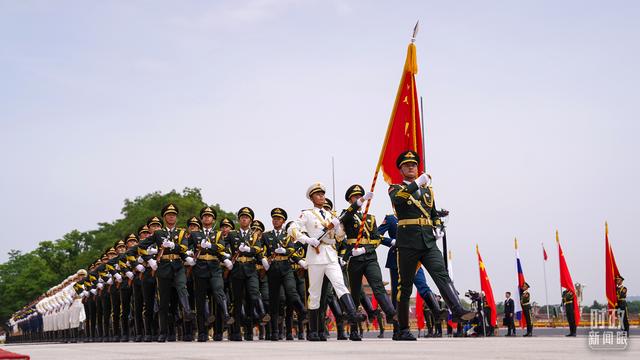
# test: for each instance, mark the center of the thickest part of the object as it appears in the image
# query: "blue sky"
(530, 111)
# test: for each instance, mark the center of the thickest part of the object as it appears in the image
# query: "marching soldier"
(210, 254)
(226, 225)
(621, 293)
(525, 303)
(280, 250)
(418, 230)
(362, 258)
(262, 266)
(91, 301)
(246, 246)
(567, 301)
(104, 294)
(320, 230)
(134, 282)
(170, 269)
(114, 284)
(148, 279)
(299, 267)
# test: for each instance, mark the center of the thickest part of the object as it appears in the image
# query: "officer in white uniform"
(321, 256)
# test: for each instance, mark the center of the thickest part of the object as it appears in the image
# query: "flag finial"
(606, 228)
(557, 237)
(515, 241)
(415, 32)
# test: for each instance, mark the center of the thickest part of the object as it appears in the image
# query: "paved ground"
(540, 347)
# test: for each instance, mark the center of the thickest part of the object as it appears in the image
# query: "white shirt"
(313, 223)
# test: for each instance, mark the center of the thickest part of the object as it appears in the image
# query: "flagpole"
(546, 293)
(333, 180)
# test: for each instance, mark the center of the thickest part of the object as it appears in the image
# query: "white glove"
(129, 274)
(336, 223)
(358, 251)
(118, 278)
(140, 259)
(84, 293)
(341, 261)
(100, 286)
(140, 268)
(205, 244)
(100, 280)
(110, 281)
(438, 233)
(313, 242)
(152, 250)
(225, 255)
(423, 180)
(367, 196)
(393, 242)
(189, 261)
(265, 264)
(153, 264)
(168, 244)
(244, 248)
(303, 264)
(189, 253)
(109, 275)
(280, 250)
(93, 291)
(228, 264)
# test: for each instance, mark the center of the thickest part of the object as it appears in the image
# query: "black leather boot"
(187, 315)
(350, 308)
(313, 326)
(403, 333)
(389, 311)
(450, 297)
(340, 330)
(354, 333)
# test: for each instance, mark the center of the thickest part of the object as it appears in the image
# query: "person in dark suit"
(509, 312)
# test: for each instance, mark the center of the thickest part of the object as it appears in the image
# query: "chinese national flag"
(611, 271)
(566, 281)
(419, 312)
(404, 131)
(485, 285)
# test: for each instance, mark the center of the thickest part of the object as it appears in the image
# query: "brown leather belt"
(280, 258)
(363, 241)
(418, 221)
(170, 257)
(245, 259)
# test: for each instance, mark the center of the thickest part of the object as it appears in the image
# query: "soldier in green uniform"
(114, 289)
(418, 230)
(279, 251)
(262, 265)
(134, 282)
(363, 260)
(170, 269)
(621, 293)
(299, 268)
(246, 246)
(567, 301)
(148, 279)
(104, 293)
(525, 303)
(226, 225)
(210, 252)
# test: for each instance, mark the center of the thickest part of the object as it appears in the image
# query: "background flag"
(419, 312)
(544, 253)
(404, 131)
(566, 281)
(485, 285)
(611, 271)
(520, 285)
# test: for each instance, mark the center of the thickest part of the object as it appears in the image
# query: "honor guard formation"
(215, 277)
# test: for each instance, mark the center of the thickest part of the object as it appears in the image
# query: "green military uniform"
(104, 298)
(279, 249)
(114, 291)
(301, 283)
(208, 272)
(366, 263)
(416, 242)
(134, 282)
(170, 273)
(621, 295)
(244, 277)
(149, 284)
(567, 300)
(263, 282)
(525, 303)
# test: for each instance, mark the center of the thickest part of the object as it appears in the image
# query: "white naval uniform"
(325, 263)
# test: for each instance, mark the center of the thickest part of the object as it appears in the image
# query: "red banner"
(566, 281)
(611, 271)
(485, 285)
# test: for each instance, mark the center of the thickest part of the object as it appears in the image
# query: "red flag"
(544, 253)
(485, 285)
(404, 131)
(419, 312)
(611, 271)
(566, 281)
(374, 305)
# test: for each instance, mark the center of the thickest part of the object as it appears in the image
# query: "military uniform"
(299, 267)
(134, 282)
(104, 298)
(525, 302)
(211, 253)
(363, 260)
(416, 243)
(170, 272)
(567, 301)
(621, 295)
(113, 267)
(323, 259)
(244, 277)
(149, 284)
(279, 248)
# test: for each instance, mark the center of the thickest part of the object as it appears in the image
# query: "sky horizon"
(530, 118)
